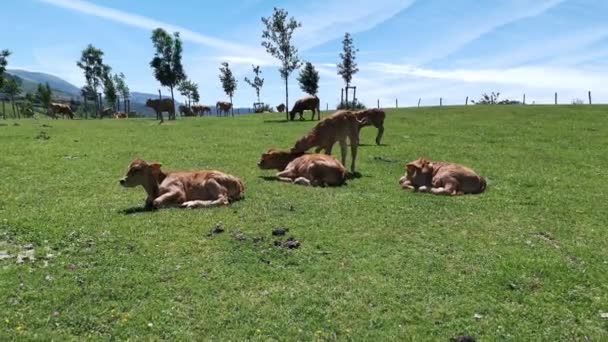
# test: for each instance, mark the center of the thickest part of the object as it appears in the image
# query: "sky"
(408, 49)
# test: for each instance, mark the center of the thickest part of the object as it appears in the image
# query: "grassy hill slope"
(524, 261)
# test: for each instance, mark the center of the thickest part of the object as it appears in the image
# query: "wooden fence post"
(397, 103)
(378, 103)
(556, 98)
(420, 99)
(524, 98)
(441, 102)
(327, 107)
(466, 103)
(342, 97)
(589, 96)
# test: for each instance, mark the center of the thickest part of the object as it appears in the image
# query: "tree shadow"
(137, 210)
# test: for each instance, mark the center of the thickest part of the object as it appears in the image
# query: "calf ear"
(410, 168)
(155, 166)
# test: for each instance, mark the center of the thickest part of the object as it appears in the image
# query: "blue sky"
(409, 49)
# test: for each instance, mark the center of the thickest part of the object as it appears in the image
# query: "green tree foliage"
(95, 71)
(122, 88)
(12, 88)
(109, 91)
(167, 61)
(309, 79)
(189, 90)
(276, 38)
(257, 82)
(229, 83)
(4, 54)
(45, 95)
(348, 65)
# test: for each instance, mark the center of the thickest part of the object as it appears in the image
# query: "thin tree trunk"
(172, 114)
(3, 110)
(346, 89)
(286, 99)
(231, 106)
(13, 105)
(125, 107)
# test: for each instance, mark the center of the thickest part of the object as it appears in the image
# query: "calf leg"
(286, 176)
(343, 148)
(354, 145)
(169, 199)
(216, 191)
(380, 134)
(450, 188)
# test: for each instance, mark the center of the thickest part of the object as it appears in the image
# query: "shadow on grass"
(372, 145)
(137, 210)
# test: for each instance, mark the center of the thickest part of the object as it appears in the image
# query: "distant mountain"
(64, 90)
(55, 82)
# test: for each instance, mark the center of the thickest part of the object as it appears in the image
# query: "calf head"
(277, 160)
(140, 173)
(420, 172)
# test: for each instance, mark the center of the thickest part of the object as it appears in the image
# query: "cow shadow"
(372, 145)
(137, 210)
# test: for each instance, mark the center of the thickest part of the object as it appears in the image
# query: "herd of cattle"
(201, 189)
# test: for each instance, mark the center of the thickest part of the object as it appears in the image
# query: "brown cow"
(441, 178)
(120, 115)
(63, 109)
(281, 108)
(161, 106)
(197, 189)
(223, 107)
(306, 103)
(373, 117)
(339, 126)
(304, 169)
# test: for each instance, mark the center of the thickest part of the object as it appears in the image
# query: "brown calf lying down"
(373, 117)
(442, 178)
(63, 109)
(306, 103)
(304, 169)
(339, 126)
(196, 189)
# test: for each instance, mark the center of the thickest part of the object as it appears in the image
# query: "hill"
(64, 90)
(525, 261)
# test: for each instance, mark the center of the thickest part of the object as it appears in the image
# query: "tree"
(277, 40)
(122, 89)
(189, 90)
(257, 82)
(109, 91)
(95, 72)
(348, 66)
(167, 61)
(309, 79)
(228, 81)
(12, 87)
(45, 94)
(3, 62)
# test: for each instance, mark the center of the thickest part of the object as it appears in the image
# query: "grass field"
(527, 260)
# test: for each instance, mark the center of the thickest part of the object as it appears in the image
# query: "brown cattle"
(281, 108)
(223, 107)
(196, 189)
(441, 178)
(161, 106)
(339, 126)
(306, 103)
(200, 110)
(120, 115)
(304, 169)
(63, 109)
(185, 111)
(373, 117)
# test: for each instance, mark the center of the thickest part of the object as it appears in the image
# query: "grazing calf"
(196, 189)
(306, 103)
(304, 169)
(373, 117)
(120, 115)
(185, 111)
(442, 178)
(339, 126)
(63, 109)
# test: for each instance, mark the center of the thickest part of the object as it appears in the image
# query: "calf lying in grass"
(304, 169)
(442, 178)
(196, 189)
